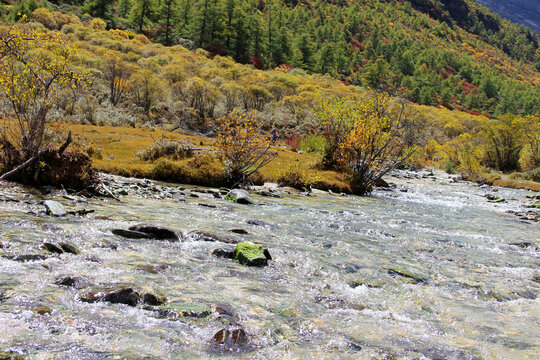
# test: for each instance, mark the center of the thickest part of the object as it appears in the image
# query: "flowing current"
(426, 271)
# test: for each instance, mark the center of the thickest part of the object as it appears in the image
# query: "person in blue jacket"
(274, 136)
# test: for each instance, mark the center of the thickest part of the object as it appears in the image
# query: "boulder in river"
(231, 339)
(77, 282)
(60, 248)
(121, 295)
(153, 299)
(223, 253)
(250, 254)
(157, 232)
(239, 196)
(147, 232)
(54, 208)
(208, 236)
(177, 310)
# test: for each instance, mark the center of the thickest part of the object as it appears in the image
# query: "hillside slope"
(452, 53)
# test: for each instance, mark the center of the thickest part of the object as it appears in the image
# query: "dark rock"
(42, 310)
(54, 248)
(54, 208)
(129, 234)
(268, 193)
(153, 299)
(415, 277)
(126, 296)
(193, 195)
(223, 253)
(239, 231)
(152, 269)
(77, 282)
(525, 245)
(239, 196)
(156, 232)
(355, 346)
(208, 205)
(250, 254)
(208, 236)
(175, 311)
(123, 192)
(25, 257)
(231, 339)
(259, 223)
(68, 247)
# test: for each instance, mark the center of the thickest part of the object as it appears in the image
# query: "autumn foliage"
(244, 149)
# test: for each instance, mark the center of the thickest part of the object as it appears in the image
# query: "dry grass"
(120, 144)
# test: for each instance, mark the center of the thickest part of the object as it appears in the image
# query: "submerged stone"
(177, 310)
(208, 236)
(25, 257)
(250, 254)
(534, 206)
(223, 253)
(54, 208)
(415, 277)
(10, 356)
(77, 282)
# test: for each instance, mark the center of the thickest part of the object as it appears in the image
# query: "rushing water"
(329, 292)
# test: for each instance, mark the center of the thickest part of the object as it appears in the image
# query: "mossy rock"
(250, 254)
(498, 200)
(533, 197)
(534, 206)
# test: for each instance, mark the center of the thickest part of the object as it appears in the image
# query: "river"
(425, 271)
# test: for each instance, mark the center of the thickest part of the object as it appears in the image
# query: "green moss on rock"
(250, 254)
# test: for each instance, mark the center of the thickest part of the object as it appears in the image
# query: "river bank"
(433, 267)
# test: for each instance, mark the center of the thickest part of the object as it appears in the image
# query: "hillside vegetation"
(135, 82)
(454, 53)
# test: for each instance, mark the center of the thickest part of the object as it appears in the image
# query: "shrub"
(293, 141)
(313, 144)
(295, 177)
(98, 24)
(172, 149)
(43, 16)
(244, 149)
(368, 137)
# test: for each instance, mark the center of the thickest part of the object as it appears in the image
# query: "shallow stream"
(425, 271)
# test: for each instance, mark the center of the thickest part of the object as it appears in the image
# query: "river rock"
(126, 296)
(231, 339)
(239, 231)
(176, 310)
(77, 282)
(250, 254)
(129, 234)
(414, 276)
(25, 257)
(239, 196)
(156, 232)
(54, 208)
(60, 248)
(153, 299)
(208, 236)
(525, 245)
(223, 253)
(259, 223)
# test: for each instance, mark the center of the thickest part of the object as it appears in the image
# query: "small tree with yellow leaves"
(244, 149)
(34, 66)
(374, 136)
